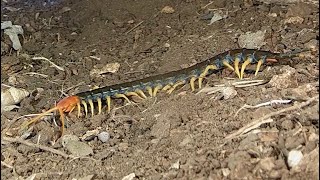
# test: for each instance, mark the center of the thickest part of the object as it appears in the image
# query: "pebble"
(294, 157)
(104, 136)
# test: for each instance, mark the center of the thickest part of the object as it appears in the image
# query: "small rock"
(287, 125)
(225, 172)
(267, 164)
(129, 177)
(175, 165)
(313, 137)
(252, 40)
(78, 148)
(229, 92)
(66, 138)
(104, 136)
(284, 80)
(90, 135)
(294, 20)
(167, 10)
(313, 44)
(294, 158)
(89, 177)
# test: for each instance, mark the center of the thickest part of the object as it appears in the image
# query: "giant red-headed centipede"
(165, 82)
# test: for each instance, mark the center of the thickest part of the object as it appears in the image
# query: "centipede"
(235, 60)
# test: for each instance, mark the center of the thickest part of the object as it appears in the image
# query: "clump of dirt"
(179, 136)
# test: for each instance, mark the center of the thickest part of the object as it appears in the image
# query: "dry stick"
(46, 59)
(45, 148)
(298, 106)
(134, 27)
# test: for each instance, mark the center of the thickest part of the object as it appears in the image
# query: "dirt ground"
(179, 136)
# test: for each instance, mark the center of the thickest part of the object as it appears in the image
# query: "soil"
(177, 136)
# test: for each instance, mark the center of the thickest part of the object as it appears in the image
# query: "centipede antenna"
(91, 107)
(34, 120)
(99, 105)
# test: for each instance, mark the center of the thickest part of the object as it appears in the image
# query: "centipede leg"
(91, 107)
(99, 105)
(166, 87)
(122, 96)
(62, 120)
(202, 75)
(156, 89)
(175, 86)
(225, 63)
(149, 89)
(258, 67)
(108, 104)
(133, 94)
(192, 80)
(236, 67)
(79, 109)
(141, 93)
(85, 107)
(243, 67)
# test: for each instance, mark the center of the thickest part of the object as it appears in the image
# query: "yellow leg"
(62, 121)
(122, 96)
(91, 107)
(204, 73)
(99, 105)
(156, 90)
(225, 63)
(85, 107)
(166, 87)
(141, 93)
(79, 109)
(108, 103)
(175, 86)
(243, 67)
(258, 67)
(236, 67)
(149, 89)
(192, 80)
(133, 94)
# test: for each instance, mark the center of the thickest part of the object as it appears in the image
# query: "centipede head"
(65, 105)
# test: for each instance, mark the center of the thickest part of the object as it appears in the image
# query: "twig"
(34, 73)
(6, 165)
(53, 64)
(45, 148)
(207, 5)
(268, 116)
(269, 103)
(134, 27)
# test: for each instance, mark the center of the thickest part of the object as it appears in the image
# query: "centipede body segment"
(167, 82)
